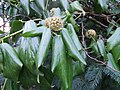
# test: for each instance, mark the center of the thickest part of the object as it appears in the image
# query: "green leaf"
(28, 46)
(11, 64)
(1, 32)
(69, 72)
(114, 40)
(94, 47)
(15, 26)
(78, 68)
(72, 49)
(116, 53)
(36, 32)
(40, 4)
(65, 4)
(74, 36)
(12, 11)
(72, 21)
(27, 79)
(111, 62)
(103, 4)
(76, 6)
(43, 48)
(101, 47)
(25, 5)
(59, 64)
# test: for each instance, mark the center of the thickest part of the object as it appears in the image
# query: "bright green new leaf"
(43, 48)
(72, 49)
(114, 40)
(11, 64)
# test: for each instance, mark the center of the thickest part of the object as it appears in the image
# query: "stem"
(4, 84)
(11, 35)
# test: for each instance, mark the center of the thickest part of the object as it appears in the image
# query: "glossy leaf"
(25, 5)
(116, 53)
(40, 4)
(59, 62)
(111, 62)
(15, 26)
(65, 4)
(43, 48)
(114, 40)
(101, 47)
(74, 36)
(94, 47)
(36, 32)
(28, 46)
(76, 6)
(12, 64)
(72, 49)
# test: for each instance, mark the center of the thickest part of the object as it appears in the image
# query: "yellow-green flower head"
(90, 33)
(54, 23)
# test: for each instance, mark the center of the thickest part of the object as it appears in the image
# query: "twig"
(83, 37)
(3, 87)
(11, 35)
(93, 19)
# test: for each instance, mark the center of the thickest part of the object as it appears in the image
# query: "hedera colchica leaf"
(11, 64)
(72, 49)
(74, 36)
(59, 62)
(36, 32)
(28, 46)
(25, 5)
(114, 40)
(43, 47)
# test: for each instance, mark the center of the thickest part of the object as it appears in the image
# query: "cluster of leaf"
(19, 64)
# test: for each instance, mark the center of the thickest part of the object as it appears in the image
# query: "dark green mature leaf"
(116, 53)
(77, 7)
(25, 5)
(15, 26)
(74, 36)
(10, 85)
(27, 79)
(36, 32)
(35, 8)
(59, 64)
(111, 62)
(43, 47)
(65, 4)
(29, 46)
(1, 61)
(12, 11)
(101, 47)
(12, 64)
(114, 40)
(69, 72)
(72, 49)
(94, 47)
(40, 4)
